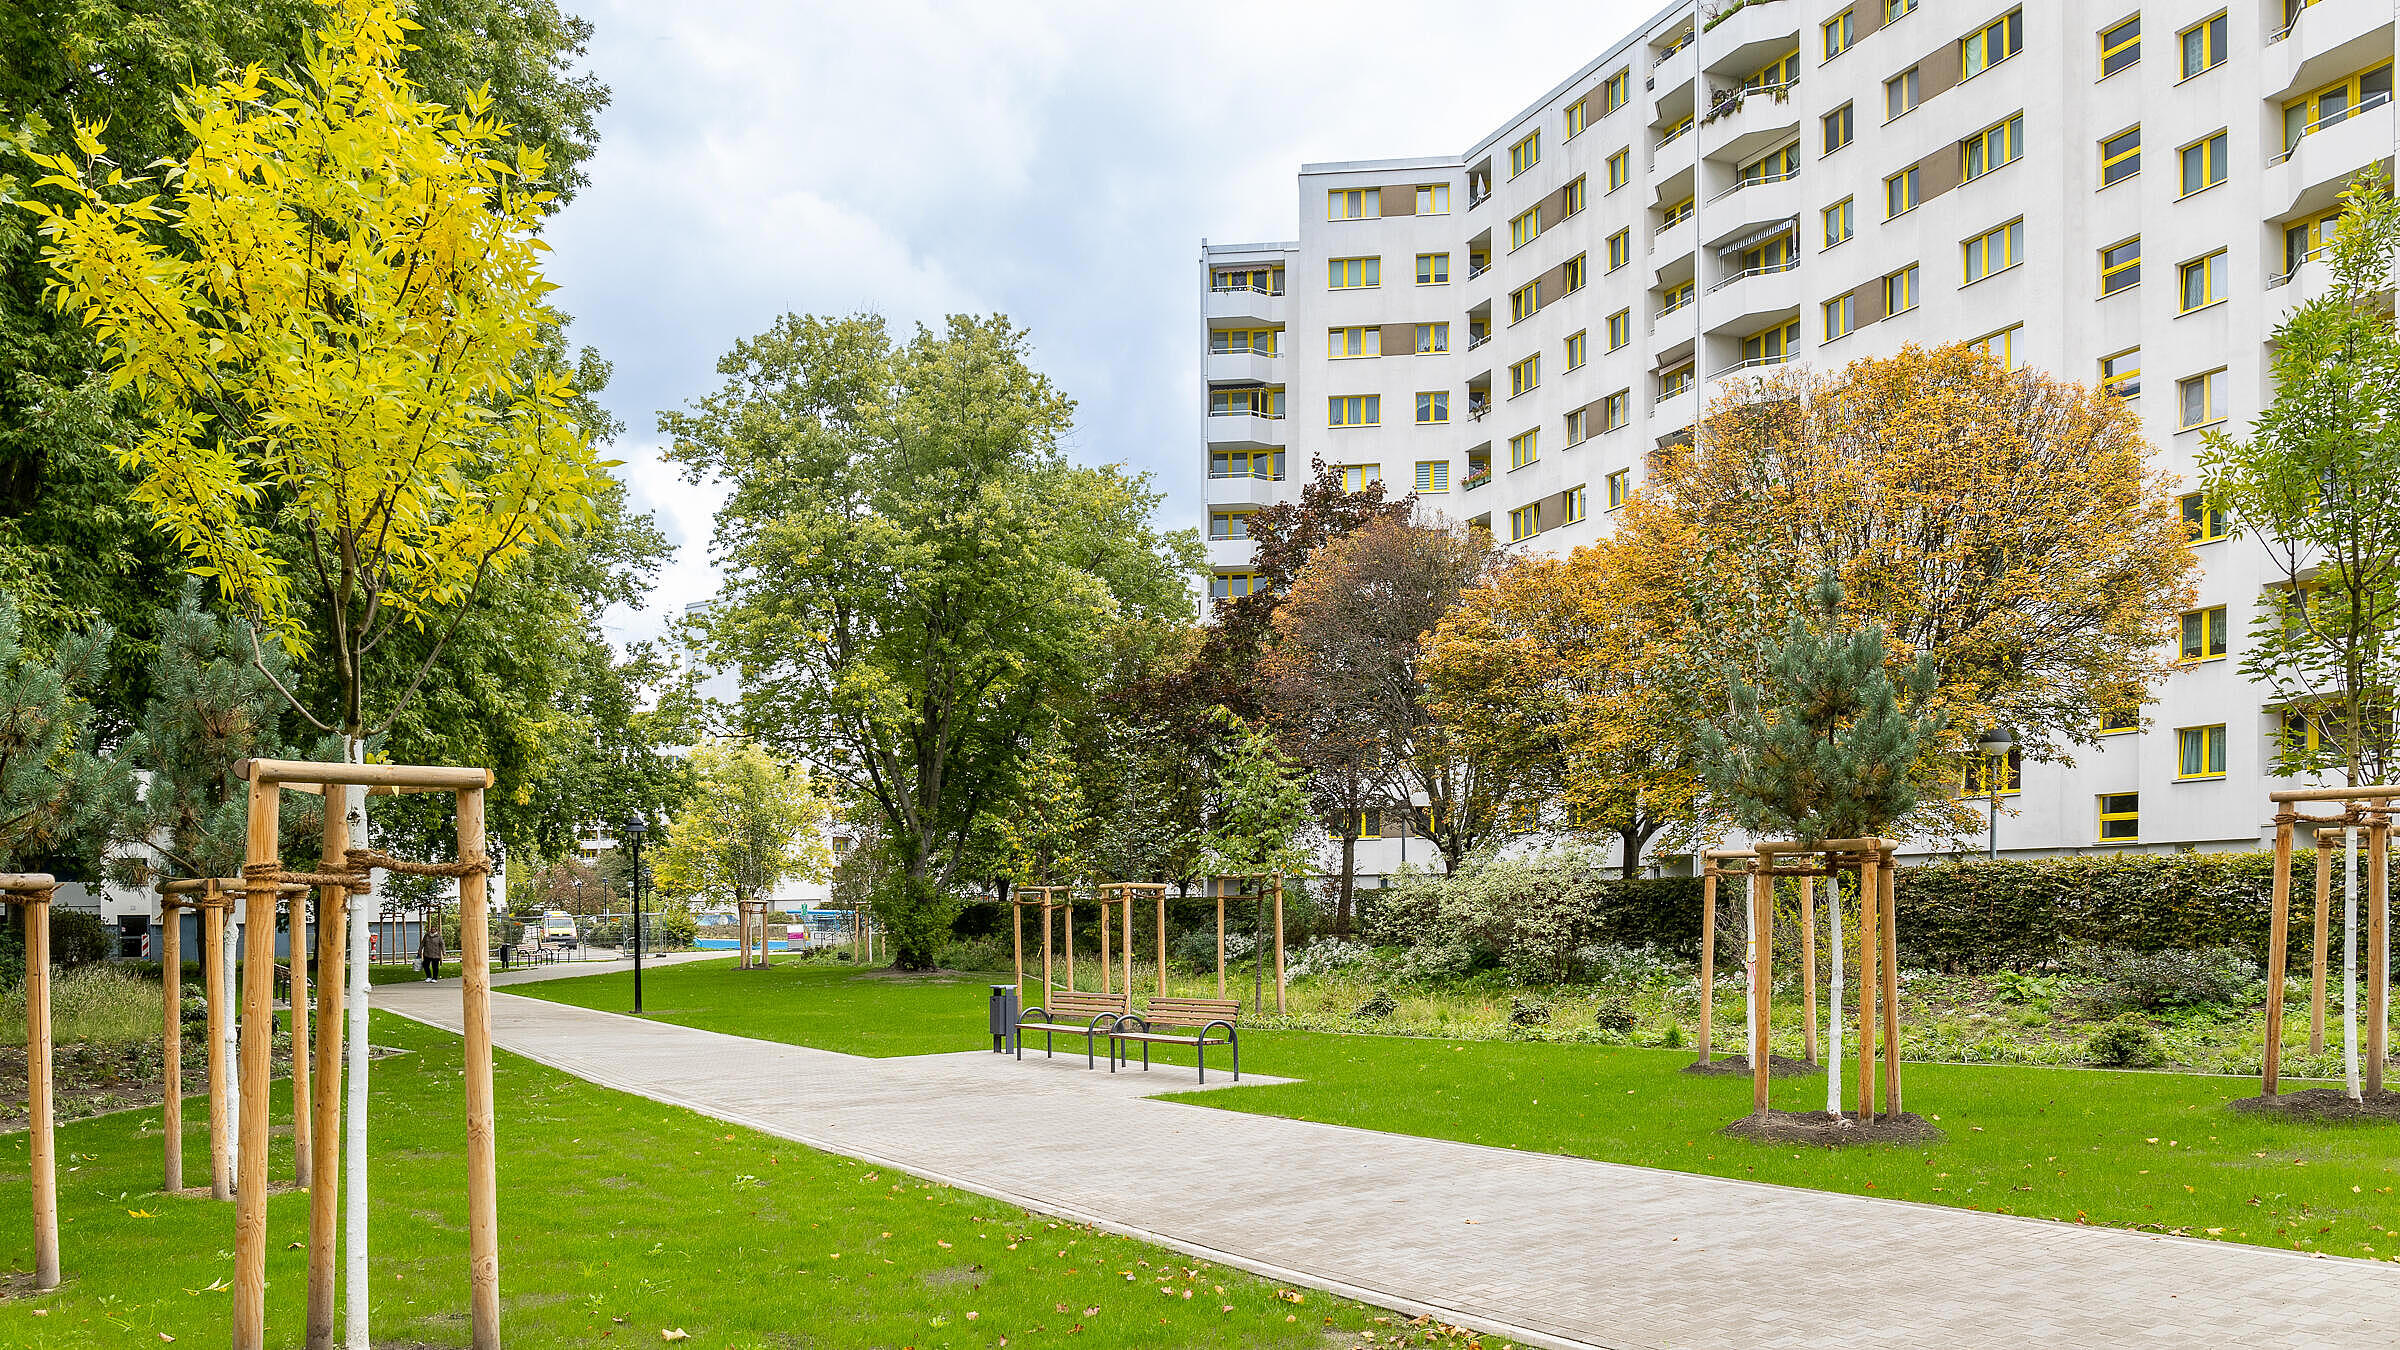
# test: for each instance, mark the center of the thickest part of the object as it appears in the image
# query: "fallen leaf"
(674, 1334)
(146, 1214)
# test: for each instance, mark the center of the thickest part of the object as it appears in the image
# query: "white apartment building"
(2114, 191)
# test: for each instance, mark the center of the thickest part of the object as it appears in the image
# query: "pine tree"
(1834, 755)
(53, 786)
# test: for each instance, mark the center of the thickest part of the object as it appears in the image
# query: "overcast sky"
(1056, 162)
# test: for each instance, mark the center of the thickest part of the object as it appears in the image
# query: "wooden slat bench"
(1090, 1016)
(1208, 1015)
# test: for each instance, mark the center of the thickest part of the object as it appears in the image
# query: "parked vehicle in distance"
(558, 929)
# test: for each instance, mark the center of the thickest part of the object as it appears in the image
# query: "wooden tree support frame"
(2361, 809)
(751, 916)
(263, 875)
(212, 898)
(32, 893)
(1872, 861)
(1712, 870)
(1259, 888)
(1121, 895)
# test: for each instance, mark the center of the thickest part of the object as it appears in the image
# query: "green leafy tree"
(750, 824)
(2313, 486)
(1263, 812)
(52, 783)
(914, 573)
(1825, 747)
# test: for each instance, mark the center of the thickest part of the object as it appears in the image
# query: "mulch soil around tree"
(1824, 1131)
(1778, 1066)
(2324, 1105)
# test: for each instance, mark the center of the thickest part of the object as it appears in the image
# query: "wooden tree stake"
(212, 987)
(2379, 946)
(41, 1141)
(171, 1039)
(1708, 951)
(1888, 879)
(1162, 944)
(2278, 920)
(1808, 968)
(2316, 986)
(1762, 949)
(1220, 942)
(483, 1192)
(325, 1141)
(258, 987)
(303, 1157)
(1868, 984)
(1279, 944)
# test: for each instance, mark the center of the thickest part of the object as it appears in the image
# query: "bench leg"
(1049, 1050)
(1236, 1043)
(1200, 1053)
(1145, 1057)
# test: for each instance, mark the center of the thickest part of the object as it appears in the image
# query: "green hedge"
(1979, 916)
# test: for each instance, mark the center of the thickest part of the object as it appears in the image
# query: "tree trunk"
(1341, 909)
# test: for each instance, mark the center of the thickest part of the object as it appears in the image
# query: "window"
(2203, 281)
(1578, 348)
(1525, 522)
(2121, 266)
(1614, 93)
(1573, 500)
(2120, 156)
(1619, 488)
(1772, 167)
(1267, 281)
(1779, 73)
(1900, 290)
(1225, 341)
(1231, 585)
(1522, 302)
(1342, 343)
(1989, 149)
(2000, 39)
(1433, 475)
(1675, 215)
(1620, 249)
(1900, 94)
(1525, 375)
(1525, 228)
(1577, 119)
(1357, 477)
(1900, 193)
(2119, 720)
(1838, 222)
(1838, 128)
(2201, 400)
(1370, 823)
(1668, 136)
(2203, 46)
(1433, 269)
(1354, 203)
(1267, 464)
(2200, 752)
(1354, 410)
(2120, 817)
(2307, 240)
(1255, 401)
(1775, 255)
(2120, 46)
(1620, 328)
(2002, 346)
(1524, 449)
(1840, 32)
(1676, 381)
(2203, 635)
(1570, 274)
(1433, 199)
(2204, 164)
(1841, 317)
(1620, 172)
(1674, 298)
(2122, 374)
(1771, 346)
(1229, 524)
(1525, 154)
(1613, 409)
(2204, 522)
(1579, 427)
(1894, 9)
(1433, 407)
(2335, 102)
(1995, 251)
(1432, 337)
(1353, 274)
(1977, 779)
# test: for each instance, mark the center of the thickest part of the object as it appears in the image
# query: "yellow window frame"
(1354, 410)
(1613, 409)
(2209, 270)
(1524, 522)
(1524, 448)
(1525, 228)
(2306, 115)
(1840, 32)
(1525, 376)
(1525, 154)
(1995, 250)
(1433, 475)
(1992, 44)
(2122, 380)
(1523, 302)
(1433, 337)
(1578, 348)
(1613, 94)
(1433, 407)
(1620, 249)
(2120, 817)
(1841, 221)
(2203, 523)
(1433, 199)
(1900, 193)
(2121, 266)
(1903, 285)
(2203, 636)
(2204, 43)
(1354, 274)
(1620, 486)
(2199, 753)
(1995, 147)
(1620, 329)
(1620, 169)
(2206, 155)
(2210, 412)
(1841, 317)
(2124, 148)
(2115, 41)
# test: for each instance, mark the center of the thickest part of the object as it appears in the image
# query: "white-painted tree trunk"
(1833, 1010)
(354, 1134)
(230, 1028)
(2350, 962)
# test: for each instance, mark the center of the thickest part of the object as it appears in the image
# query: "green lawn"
(2132, 1149)
(620, 1219)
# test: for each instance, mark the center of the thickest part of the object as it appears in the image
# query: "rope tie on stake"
(360, 859)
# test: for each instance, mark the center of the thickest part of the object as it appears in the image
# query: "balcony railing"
(1264, 475)
(1477, 479)
(1230, 290)
(1762, 180)
(1670, 391)
(1763, 269)
(1726, 102)
(1245, 412)
(1477, 408)
(1474, 342)
(1754, 363)
(1475, 270)
(1676, 135)
(1268, 352)
(1674, 305)
(2369, 104)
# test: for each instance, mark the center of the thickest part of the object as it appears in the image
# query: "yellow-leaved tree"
(331, 317)
(751, 824)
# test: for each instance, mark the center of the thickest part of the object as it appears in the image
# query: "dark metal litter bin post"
(1004, 1016)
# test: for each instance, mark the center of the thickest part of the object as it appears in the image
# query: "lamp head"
(1997, 741)
(636, 827)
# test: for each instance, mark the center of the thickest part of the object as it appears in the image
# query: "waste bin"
(1004, 1016)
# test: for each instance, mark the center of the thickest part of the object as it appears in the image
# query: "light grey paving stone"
(1547, 1250)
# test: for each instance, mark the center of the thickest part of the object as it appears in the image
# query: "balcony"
(1670, 247)
(2325, 43)
(1478, 475)
(1226, 554)
(1244, 431)
(1673, 75)
(1747, 301)
(1673, 415)
(1751, 36)
(1244, 305)
(1743, 123)
(1244, 367)
(1671, 338)
(1742, 208)
(1243, 489)
(2313, 172)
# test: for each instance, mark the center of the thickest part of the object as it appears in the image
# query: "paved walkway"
(1550, 1250)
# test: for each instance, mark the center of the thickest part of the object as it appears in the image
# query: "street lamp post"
(634, 829)
(1995, 744)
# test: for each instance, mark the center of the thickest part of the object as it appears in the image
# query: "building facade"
(2121, 193)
